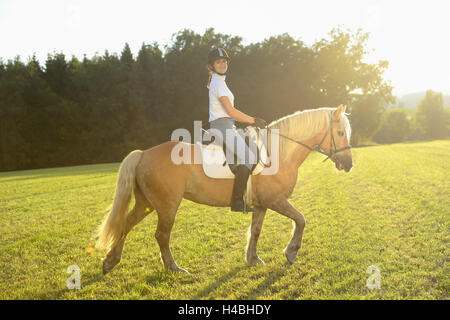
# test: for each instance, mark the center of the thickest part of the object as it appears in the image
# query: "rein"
(318, 146)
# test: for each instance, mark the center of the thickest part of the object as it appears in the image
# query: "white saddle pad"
(213, 158)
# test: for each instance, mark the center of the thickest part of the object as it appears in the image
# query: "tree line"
(95, 110)
(430, 121)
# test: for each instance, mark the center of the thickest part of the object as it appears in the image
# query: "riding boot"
(240, 183)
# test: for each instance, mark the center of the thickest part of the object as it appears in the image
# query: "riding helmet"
(217, 53)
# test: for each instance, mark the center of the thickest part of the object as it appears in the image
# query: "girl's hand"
(260, 123)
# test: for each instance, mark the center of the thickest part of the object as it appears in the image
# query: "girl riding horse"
(222, 115)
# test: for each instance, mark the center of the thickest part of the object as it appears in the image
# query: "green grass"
(391, 211)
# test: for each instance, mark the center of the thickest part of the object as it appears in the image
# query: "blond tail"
(113, 226)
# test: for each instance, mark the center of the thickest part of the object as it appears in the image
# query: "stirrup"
(247, 208)
(244, 208)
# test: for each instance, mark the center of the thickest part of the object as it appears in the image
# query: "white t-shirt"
(218, 88)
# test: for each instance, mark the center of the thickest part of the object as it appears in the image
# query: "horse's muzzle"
(343, 162)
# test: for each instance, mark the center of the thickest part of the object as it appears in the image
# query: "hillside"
(412, 100)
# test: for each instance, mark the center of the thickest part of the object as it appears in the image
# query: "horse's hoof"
(108, 265)
(255, 261)
(290, 256)
(178, 269)
(106, 269)
(183, 271)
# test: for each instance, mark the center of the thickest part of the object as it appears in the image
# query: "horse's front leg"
(287, 209)
(255, 230)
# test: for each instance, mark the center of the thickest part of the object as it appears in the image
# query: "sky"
(411, 35)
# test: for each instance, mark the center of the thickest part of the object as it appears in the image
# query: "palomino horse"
(160, 185)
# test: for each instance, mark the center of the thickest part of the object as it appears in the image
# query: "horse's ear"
(339, 110)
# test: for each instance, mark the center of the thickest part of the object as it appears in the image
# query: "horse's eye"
(340, 133)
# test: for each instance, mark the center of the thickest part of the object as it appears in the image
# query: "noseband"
(318, 146)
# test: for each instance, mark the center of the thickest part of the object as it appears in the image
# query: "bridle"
(317, 147)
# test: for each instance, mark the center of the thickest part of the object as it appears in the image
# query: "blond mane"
(304, 125)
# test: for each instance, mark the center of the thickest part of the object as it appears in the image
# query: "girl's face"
(221, 65)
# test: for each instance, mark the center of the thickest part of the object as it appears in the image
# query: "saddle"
(214, 161)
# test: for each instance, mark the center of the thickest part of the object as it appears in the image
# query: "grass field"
(390, 211)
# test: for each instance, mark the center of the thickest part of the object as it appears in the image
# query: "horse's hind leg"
(141, 209)
(255, 230)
